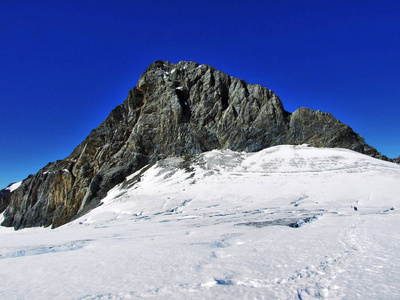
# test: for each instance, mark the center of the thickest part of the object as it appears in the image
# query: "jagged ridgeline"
(175, 110)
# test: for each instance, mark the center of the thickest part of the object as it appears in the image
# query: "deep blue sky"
(65, 64)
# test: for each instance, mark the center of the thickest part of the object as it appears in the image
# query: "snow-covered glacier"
(288, 222)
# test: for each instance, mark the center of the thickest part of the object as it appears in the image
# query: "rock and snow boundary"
(14, 186)
(288, 222)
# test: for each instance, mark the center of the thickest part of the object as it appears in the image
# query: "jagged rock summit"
(175, 110)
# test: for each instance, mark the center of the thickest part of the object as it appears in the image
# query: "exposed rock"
(175, 110)
(323, 130)
(5, 198)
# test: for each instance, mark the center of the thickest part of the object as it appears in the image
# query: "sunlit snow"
(288, 222)
(14, 186)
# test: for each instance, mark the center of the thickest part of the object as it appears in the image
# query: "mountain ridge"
(175, 110)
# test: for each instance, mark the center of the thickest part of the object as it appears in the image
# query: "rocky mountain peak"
(175, 110)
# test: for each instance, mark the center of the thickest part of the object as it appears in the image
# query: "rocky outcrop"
(175, 110)
(5, 198)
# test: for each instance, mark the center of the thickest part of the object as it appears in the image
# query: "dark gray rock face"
(5, 198)
(175, 110)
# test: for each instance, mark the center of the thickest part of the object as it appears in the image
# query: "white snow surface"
(288, 222)
(14, 186)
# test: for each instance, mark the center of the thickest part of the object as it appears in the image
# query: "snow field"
(277, 224)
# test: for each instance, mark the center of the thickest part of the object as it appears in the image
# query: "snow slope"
(14, 186)
(288, 222)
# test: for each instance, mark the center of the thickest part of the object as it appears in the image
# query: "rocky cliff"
(175, 110)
